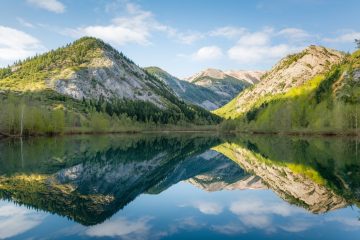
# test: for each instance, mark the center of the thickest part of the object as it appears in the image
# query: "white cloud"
(228, 32)
(50, 5)
(254, 39)
(122, 227)
(136, 26)
(15, 220)
(262, 53)
(254, 48)
(207, 53)
(24, 22)
(15, 44)
(209, 208)
(344, 38)
(189, 37)
(296, 34)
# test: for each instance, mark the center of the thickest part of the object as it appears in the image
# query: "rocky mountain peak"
(250, 76)
(291, 71)
(209, 72)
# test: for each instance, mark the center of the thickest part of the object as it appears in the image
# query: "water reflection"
(97, 180)
(315, 173)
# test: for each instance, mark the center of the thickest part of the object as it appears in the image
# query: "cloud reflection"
(210, 208)
(15, 220)
(256, 213)
(121, 227)
(206, 207)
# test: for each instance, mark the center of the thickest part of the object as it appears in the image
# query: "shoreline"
(71, 133)
(302, 133)
(215, 130)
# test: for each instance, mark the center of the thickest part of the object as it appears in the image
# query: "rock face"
(189, 92)
(111, 75)
(292, 71)
(226, 84)
(89, 69)
(251, 77)
(295, 188)
(213, 183)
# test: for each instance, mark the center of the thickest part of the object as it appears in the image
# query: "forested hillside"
(328, 103)
(88, 86)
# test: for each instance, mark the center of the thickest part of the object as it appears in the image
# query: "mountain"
(91, 74)
(315, 173)
(226, 84)
(189, 92)
(252, 77)
(216, 181)
(221, 173)
(289, 185)
(201, 78)
(316, 90)
(292, 71)
(88, 179)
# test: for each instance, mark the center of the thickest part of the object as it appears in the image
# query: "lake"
(180, 186)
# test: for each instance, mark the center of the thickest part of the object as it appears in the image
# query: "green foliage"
(325, 86)
(27, 182)
(28, 119)
(328, 104)
(292, 58)
(33, 79)
(98, 122)
(4, 72)
(47, 112)
(330, 162)
(31, 73)
(228, 126)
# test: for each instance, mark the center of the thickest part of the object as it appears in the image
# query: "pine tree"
(357, 42)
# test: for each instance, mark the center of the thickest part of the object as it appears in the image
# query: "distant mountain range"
(207, 76)
(210, 88)
(227, 84)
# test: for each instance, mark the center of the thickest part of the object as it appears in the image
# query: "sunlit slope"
(292, 71)
(327, 102)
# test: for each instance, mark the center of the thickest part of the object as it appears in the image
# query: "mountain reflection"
(90, 178)
(319, 174)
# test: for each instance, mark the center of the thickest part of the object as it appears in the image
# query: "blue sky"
(185, 36)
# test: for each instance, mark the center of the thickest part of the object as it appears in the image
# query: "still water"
(180, 187)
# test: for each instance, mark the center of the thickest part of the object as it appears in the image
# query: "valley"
(89, 87)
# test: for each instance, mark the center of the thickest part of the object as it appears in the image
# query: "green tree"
(357, 42)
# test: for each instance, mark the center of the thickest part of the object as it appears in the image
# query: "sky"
(182, 37)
